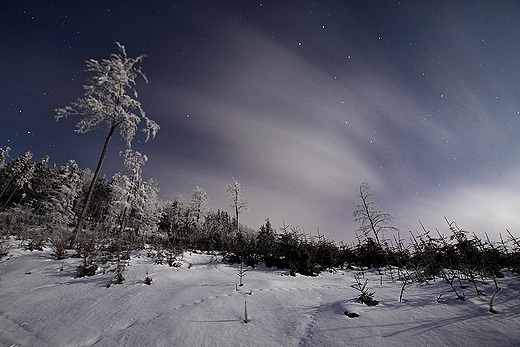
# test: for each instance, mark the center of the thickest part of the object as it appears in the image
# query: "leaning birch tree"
(107, 102)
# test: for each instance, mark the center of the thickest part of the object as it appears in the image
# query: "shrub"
(365, 296)
(86, 270)
(148, 280)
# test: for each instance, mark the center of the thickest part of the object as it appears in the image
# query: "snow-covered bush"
(119, 278)
(86, 270)
(86, 249)
(148, 280)
(4, 246)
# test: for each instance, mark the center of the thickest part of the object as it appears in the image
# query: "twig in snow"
(491, 309)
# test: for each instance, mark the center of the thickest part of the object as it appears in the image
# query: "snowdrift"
(200, 304)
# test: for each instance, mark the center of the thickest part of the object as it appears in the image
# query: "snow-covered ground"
(197, 304)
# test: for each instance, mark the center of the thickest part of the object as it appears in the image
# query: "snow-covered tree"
(177, 217)
(107, 102)
(66, 185)
(218, 230)
(66, 193)
(266, 243)
(133, 162)
(42, 184)
(4, 153)
(17, 174)
(148, 211)
(174, 221)
(198, 206)
(197, 210)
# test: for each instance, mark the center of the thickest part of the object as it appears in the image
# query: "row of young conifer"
(40, 205)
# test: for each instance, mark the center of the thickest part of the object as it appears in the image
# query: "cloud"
(481, 208)
(301, 139)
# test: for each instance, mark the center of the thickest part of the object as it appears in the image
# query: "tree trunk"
(11, 196)
(5, 188)
(236, 214)
(83, 215)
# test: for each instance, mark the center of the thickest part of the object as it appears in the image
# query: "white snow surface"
(198, 304)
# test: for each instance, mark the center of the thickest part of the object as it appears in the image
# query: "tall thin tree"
(371, 218)
(236, 191)
(107, 102)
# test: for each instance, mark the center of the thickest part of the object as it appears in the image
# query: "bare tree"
(107, 102)
(235, 194)
(372, 220)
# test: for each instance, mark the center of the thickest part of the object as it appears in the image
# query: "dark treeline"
(40, 205)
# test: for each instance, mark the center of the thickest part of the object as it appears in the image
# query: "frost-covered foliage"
(45, 209)
(128, 216)
(4, 153)
(197, 207)
(107, 102)
(16, 174)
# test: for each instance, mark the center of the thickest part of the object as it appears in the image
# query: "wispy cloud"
(301, 136)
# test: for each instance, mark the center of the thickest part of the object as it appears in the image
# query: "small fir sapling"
(86, 270)
(246, 320)
(148, 280)
(365, 297)
(172, 256)
(60, 253)
(87, 251)
(156, 253)
(241, 273)
(118, 278)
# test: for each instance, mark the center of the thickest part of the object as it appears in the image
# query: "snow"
(198, 304)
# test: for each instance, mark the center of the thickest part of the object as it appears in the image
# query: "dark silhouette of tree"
(372, 220)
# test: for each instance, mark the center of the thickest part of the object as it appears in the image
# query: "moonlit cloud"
(301, 102)
(490, 208)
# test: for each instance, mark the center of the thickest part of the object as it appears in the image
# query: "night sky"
(300, 101)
